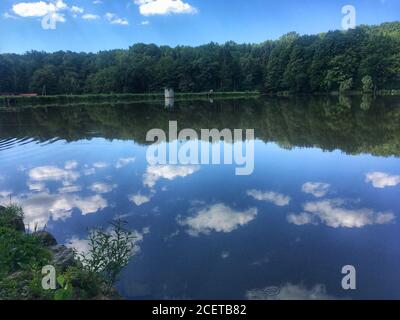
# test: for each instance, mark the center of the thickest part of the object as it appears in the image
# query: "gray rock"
(46, 238)
(63, 257)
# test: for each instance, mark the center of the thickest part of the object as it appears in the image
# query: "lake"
(324, 194)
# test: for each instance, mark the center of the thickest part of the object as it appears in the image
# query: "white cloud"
(70, 189)
(301, 219)
(40, 207)
(99, 187)
(382, 180)
(155, 173)
(335, 215)
(317, 189)
(218, 218)
(276, 198)
(163, 7)
(81, 246)
(114, 19)
(89, 171)
(34, 9)
(123, 162)
(71, 165)
(290, 292)
(89, 16)
(7, 15)
(145, 23)
(139, 199)
(50, 173)
(41, 9)
(76, 9)
(100, 165)
(5, 193)
(36, 186)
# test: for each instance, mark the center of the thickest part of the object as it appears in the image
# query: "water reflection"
(334, 123)
(324, 194)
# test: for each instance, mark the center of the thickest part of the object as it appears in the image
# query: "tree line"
(366, 59)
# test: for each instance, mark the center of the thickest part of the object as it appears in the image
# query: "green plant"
(65, 290)
(110, 251)
(367, 84)
(10, 215)
(19, 251)
(346, 85)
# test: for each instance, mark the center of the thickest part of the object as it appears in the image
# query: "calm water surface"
(324, 194)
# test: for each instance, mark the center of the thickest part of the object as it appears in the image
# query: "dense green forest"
(354, 125)
(366, 58)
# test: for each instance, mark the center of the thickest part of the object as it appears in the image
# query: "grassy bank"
(18, 101)
(77, 276)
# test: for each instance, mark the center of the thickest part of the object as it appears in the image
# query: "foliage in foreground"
(110, 251)
(92, 276)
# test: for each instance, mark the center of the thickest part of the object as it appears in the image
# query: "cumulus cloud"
(317, 189)
(39, 208)
(301, 219)
(90, 16)
(71, 165)
(218, 218)
(382, 180)
(334, 214)
(112, 18)
(100, 165)
(37, 9)
(81, 246)
(123, 162)
(76, 9)
(290, 292)
(163, 7)
(50, 173)
(155, 173)
(42, 8)
(89, 171)
(276, 198)
(99, 187)
(139, 199)
(37, 186)
(69, 189)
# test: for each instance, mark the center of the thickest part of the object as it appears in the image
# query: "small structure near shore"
(169, 93)
(169, 97)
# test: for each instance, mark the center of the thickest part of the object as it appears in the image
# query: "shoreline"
(12, 102)
(32, 101)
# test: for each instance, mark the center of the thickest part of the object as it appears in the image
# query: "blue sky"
(93, 25)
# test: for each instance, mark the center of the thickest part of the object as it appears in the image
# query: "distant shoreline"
(10, 102)
(31, 101)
